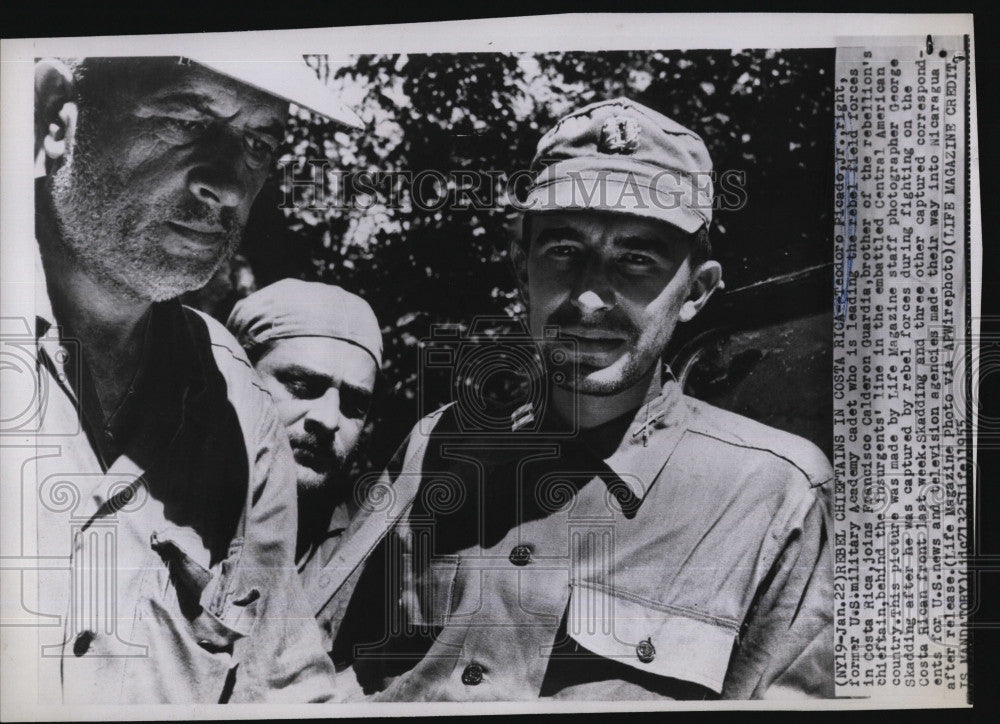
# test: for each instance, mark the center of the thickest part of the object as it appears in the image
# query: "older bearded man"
(177, 580)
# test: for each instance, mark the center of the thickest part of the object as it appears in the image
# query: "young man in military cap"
(318, 350)
(171, 500)
(631, 542)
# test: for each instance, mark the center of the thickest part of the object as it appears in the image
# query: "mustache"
(189, 209)
(613, 320)
(319, 444)
(314, 442)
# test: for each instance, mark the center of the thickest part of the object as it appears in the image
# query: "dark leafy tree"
(431, 118)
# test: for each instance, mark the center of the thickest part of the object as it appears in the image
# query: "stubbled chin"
(309, 479)
(606, 380)
(599, 362)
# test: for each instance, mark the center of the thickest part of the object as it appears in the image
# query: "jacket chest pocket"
(217, 609)
(427, 589)
(650, 637)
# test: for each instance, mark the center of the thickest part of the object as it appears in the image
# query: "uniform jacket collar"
(175, 367)
(652, 437)
(649, 438)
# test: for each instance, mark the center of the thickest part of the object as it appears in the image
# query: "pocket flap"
(218, 610)
(648, 637)
(188, 563)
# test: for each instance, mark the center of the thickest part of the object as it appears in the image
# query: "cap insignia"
(619, 135)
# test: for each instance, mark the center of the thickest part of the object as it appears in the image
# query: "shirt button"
(472, 675)
(109, 436)
(645, 651)
(520, 555)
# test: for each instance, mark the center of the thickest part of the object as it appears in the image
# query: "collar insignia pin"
(521, 416)
(647, 423)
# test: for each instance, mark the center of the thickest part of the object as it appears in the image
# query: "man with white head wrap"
(318, 350)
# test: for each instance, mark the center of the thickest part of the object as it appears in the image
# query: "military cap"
(620, 156)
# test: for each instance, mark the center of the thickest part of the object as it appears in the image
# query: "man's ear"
(518, 256)
(55, 108)
(706, 278)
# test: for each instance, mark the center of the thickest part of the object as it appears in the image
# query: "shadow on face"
(616, 285)
(323, 389)
(161, 169)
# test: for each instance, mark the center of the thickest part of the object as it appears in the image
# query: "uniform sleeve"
(282, 658)
(370, 600)
(785, 650)
(331, 616)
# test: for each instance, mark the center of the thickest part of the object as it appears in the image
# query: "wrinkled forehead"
(132, 80)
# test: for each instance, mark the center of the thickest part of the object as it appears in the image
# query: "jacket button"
(521, 555)
(472, 675)
(645, 651)
(82, 643)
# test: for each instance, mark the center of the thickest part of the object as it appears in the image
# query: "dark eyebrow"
(559, 233)
(275, 129)
(363, 394)
(203, 104)
(644, 243)
(198, 101)
(319, 377)
(300, 371)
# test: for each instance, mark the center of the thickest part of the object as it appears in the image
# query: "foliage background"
(767, 113)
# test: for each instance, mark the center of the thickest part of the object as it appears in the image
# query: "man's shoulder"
(216, 336)
(220, 350)
(745, 436)
(414, 444)
(428, 423)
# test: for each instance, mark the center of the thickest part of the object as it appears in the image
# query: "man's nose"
(217, 178)
(325, 411)
(593, 291)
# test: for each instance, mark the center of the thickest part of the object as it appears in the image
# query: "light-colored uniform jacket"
(691, 561)
(161, 572)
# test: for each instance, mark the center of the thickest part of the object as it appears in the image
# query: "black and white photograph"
(564, 375)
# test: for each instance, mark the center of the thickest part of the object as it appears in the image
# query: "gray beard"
(110, 231)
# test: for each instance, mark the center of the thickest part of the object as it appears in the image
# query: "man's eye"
(353, 405)
(638, 260)
(300, 389)
(563, 251)
(352, 412)
(188, 126)
(258, 146)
